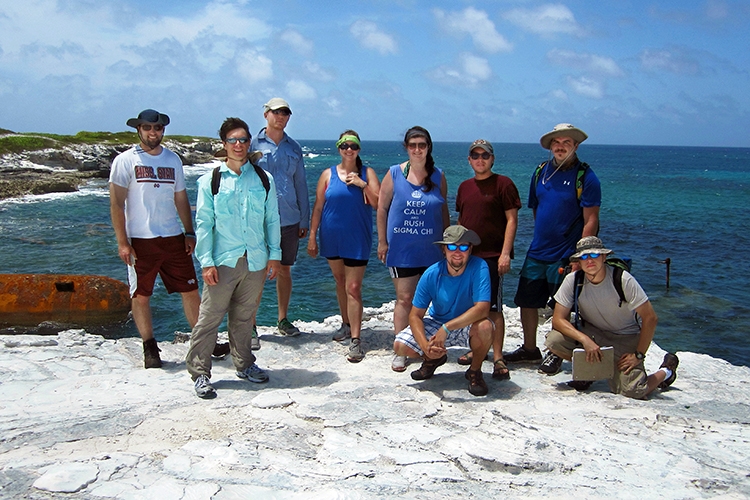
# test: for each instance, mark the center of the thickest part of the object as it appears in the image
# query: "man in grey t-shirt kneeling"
(603, 319)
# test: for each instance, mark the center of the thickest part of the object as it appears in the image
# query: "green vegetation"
(20, 143)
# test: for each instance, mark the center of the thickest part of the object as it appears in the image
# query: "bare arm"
(444, 192)
(561, 323)
(503, 263)
(384, 205)
(117, 197)
(317, 213)
(416, 322)
(372, 189)
(649, 320)
(182, 204)
(590, 221)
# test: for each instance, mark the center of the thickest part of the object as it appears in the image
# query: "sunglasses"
(484, 156)
(147, 128)
(417, 145)
(235, 140)
(587, 256)
(453, 247)
(353, 146)
(282, 112)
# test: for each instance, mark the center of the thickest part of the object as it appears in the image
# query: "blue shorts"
(539, 282)
(459, 337)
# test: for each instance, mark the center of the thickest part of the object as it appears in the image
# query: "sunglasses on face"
(235, 140)
(587, 256)
(453, 247)
(417, 145)
(353, 146)
(147, 128)
(484, 156)
(282, 112)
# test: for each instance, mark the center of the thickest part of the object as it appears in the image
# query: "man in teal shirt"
(238, 245)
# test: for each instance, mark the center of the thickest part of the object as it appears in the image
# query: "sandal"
(465, 360)
(500, 370)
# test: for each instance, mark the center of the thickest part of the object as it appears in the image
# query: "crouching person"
(238, 245)
(604, 319)
(457, 291)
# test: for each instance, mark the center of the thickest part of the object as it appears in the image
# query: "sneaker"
(551, 364)
(477, 385)
(399, 363)
(151, 357)
(356, 353)
(287, 329)
(203, 388)
(671, 361)
(428, 368)
(254, 340)
(220, 350)
(254, 373)
(343, 333)
(521, 355)
(580, 385)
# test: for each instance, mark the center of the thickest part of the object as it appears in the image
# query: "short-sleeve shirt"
(450, 296)
(151, 181)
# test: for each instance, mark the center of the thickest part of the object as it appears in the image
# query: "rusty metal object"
(29, 299)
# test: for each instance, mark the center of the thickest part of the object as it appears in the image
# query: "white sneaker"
(203, 388)
(399, 363)
(254, 373)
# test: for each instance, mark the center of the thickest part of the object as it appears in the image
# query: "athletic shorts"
(289, 244)
(165, 257)
(539, 282)
(496, 284)
(350, 262)
(459, 337)
(406, 272)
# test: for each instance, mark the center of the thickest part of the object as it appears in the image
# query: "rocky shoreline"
(64, 169)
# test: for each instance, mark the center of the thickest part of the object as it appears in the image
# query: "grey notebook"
(583, 370)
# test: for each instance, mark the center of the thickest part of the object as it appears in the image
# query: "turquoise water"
(686, 204)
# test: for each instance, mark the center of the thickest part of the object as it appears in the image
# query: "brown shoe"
(477, 385)
(428, 368)
(500, 370)
(151, 357)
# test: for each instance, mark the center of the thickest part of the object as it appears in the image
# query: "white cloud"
(477, 25)
(559, 95)
(370, 36)
(300, 91)
(316, 72)
(254, 66)
(297, 42)
(469, 71)
(587, 62)
(586, 86)
(672, 61)
(546, 20)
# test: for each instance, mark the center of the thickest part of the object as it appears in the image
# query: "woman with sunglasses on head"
(342, 217)
(411, 216)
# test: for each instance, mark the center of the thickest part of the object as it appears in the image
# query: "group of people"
(253, 210)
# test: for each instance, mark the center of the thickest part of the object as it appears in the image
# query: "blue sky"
(626, 72)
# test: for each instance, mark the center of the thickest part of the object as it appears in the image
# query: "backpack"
(618, 266)
(582, 168)
(252, 158)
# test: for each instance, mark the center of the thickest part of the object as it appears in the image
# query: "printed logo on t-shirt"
(155, 175)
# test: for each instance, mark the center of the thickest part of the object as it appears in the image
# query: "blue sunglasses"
(586, 256)
(241, 140)
(453, 247)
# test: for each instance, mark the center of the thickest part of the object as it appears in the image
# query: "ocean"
(685, 204)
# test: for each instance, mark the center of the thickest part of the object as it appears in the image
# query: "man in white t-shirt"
(147, 203)
(604, 319)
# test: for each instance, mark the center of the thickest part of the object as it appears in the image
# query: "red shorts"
(165, 257)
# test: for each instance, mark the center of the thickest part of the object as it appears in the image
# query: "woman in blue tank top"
(411, 216)
(342, 218)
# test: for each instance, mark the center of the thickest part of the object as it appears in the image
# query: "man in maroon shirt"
(488, 204)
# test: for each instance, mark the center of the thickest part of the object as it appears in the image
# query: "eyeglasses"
(281, 111)
(484, 156)
(587, 256)
(147, 128)
(235, 140)
(353, 146)
(453, 247)
(417, 145)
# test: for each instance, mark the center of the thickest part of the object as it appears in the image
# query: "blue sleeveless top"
(415, 221)
(346, 224)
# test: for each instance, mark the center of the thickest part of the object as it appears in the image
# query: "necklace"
(545, 179)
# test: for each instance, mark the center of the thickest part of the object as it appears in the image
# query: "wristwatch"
(639, 356)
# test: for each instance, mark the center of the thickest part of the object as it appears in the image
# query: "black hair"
(418, 131)
(359, 160)
(230, 124)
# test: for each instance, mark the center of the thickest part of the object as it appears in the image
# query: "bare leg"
(529, 323)
(654, 380)
(191, 302)
(141, 306)
(498, 337)
(405, 288)
(284, 290)
(339, 275)
(354, 277)
(480, 339)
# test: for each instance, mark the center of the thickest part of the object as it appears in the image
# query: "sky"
(626, 72)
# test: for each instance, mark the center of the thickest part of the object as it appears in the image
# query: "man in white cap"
(147, 203)
(604, 318)
(456, 290)
(282, 157)
(565, 196)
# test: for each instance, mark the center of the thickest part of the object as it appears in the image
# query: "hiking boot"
(253, 373)
(343, 333)
(203, 388)
(477, 385)
(521, 355)
(551, 364)
(287, 329)
(671, 361)
(356, 353)
(254, 340)
(399, 363)
(428, 368)
(220, 350)
(151, 357)
(580, 385)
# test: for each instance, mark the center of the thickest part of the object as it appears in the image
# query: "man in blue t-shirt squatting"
(457, 291)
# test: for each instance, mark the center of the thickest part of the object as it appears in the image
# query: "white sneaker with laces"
(399, 363)
(254, 373)
(203, 388)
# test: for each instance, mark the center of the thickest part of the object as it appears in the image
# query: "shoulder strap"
(617, 281)
(577, 287)
(216, 179)
(538, 172)
(582, 168)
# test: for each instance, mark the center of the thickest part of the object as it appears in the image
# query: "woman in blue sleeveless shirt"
(411, 216)
(344, 200)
